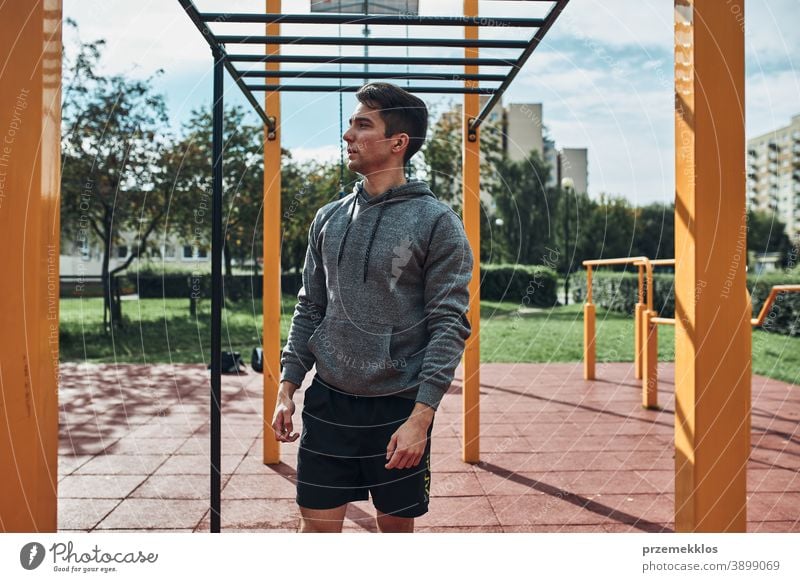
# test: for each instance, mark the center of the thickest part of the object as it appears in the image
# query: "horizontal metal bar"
(360, 60)
(219, 53)
(376, 19)
(354, 88)
(551, 17)
(615, 261)
(380, 41)
(372, 74)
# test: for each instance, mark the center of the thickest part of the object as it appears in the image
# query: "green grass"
(159, 330)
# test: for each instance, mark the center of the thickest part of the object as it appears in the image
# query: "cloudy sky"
(603, 75)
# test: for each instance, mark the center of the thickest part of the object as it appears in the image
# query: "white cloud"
(327, 153)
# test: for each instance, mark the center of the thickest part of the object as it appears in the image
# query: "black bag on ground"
(257, 360)
(232, 363)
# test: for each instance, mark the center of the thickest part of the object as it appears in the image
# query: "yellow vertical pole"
(589, 336)
(649, 332)
(30, 163)
(472, 209)
(637, 329)
(712, 331)
(271, 291)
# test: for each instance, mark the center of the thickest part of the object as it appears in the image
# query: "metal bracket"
(271, 128)
(472, 130)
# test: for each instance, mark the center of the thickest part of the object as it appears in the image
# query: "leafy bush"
(530, 285)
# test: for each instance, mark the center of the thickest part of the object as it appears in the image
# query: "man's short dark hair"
(401, 112)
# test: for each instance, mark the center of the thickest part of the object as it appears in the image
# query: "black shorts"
(343, 452)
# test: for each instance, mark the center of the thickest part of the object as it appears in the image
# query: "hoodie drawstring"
(381, 207)
(346, 231)
(371, 238)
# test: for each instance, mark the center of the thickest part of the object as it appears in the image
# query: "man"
(382, 314)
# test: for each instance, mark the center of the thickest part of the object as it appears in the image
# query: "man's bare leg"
(322, 520)
(393, 524)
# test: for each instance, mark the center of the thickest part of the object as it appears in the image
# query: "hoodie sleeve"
(312, 301)
(447, 273)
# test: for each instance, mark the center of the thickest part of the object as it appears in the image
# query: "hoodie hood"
(410, 190)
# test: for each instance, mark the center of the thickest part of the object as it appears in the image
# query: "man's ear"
(399, 140)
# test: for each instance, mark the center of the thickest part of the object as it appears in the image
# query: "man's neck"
(377, 184)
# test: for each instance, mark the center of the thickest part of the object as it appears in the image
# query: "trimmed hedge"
(532, 285)
(529, 285)
(236, 287)
(618, 292)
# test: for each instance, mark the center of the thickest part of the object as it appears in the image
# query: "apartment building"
(773, 174)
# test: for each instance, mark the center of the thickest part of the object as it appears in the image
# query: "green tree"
(305, 188)
(767, 234)
(609, 229)
(242, 181)
(526, 207)
(442, 168)
(655, 231)
(113, 133)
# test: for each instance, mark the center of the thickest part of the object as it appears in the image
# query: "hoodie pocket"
(353, 355)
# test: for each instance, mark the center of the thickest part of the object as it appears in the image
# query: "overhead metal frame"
(231, 62)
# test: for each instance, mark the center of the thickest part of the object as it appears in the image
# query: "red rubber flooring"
(558, 454)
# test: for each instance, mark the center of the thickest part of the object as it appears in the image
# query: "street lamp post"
(567, 185)
(564, 185)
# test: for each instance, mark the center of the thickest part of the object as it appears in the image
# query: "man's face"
(368, 149)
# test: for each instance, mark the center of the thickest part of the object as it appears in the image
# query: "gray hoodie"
(382, 309)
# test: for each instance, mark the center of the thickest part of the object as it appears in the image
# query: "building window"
(122, 251)
(188, 251)
(202, 253)
(169, 252)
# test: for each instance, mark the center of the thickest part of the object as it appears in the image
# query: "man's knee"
(322, 520)
(393, 524)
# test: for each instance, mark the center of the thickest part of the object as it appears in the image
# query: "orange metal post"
(637, 328)
(30, 163)
(649, 332)
(271, 292)
(472, 209)
(589, 337)
(712, 331)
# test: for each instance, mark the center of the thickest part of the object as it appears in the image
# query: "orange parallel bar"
(661, 262)
(773, 294)
(756, 321)
(648, 265)
(646, 330)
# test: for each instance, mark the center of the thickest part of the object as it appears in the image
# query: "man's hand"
(407, 444)
(282, 423)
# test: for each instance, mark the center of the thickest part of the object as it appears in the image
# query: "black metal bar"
(377, 19)
(372, 74)
(216, 293)
(194, 16)
(551, 17)
(360, 60)
(351, 89)
(370, 41)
